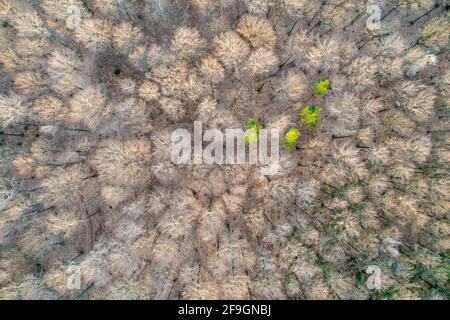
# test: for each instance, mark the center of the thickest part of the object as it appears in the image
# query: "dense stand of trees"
(86, 112)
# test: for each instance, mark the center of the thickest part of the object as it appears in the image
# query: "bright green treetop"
(252, 131)
(310, 116)
(321, 87)
(290, 138)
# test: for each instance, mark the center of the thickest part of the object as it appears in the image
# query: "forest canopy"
(91, 90)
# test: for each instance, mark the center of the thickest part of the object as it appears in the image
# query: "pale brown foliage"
(124, 162)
